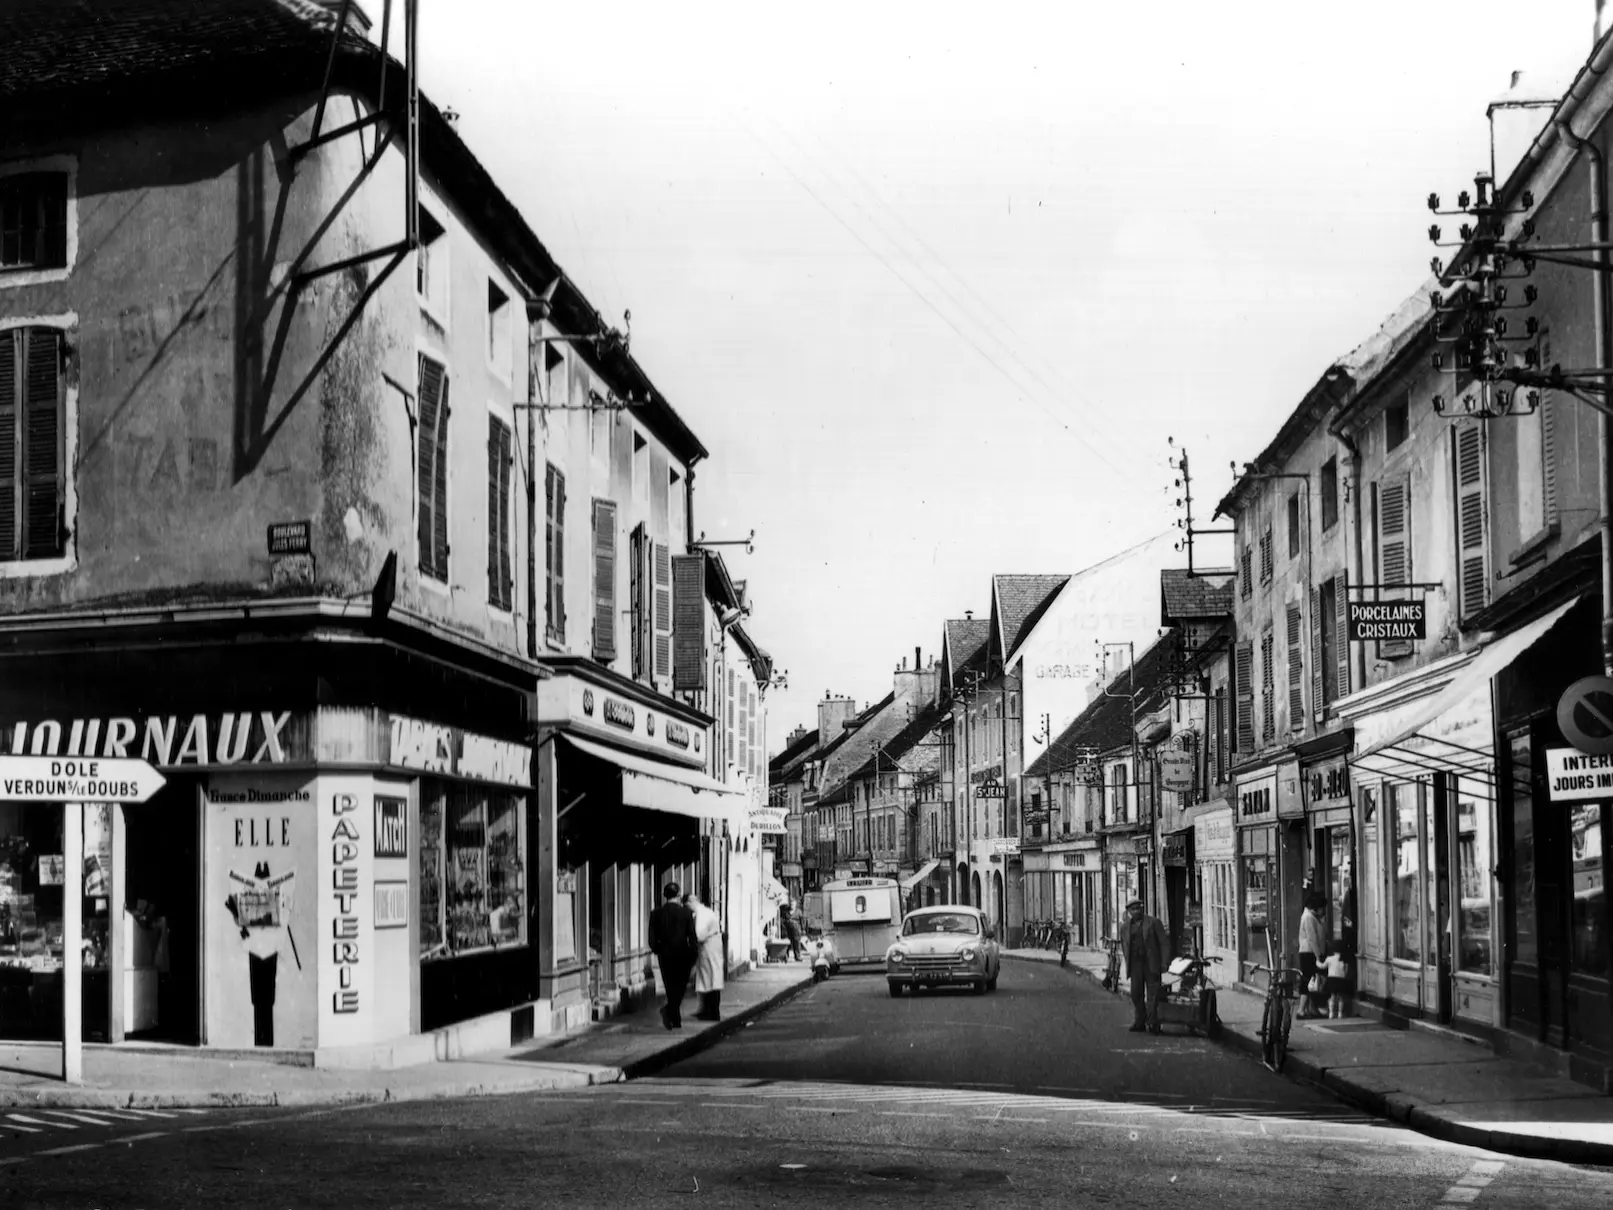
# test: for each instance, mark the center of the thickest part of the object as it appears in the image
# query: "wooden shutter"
(1318, 653)
(689, 621)
(1266, 561)
(10, 484)
(663, 610)
(638, 587)
(1394, 531)
(554, 505)
(1470, 517)
(432, 470)
(604, 580)
(1246, 567)
(1244, 689)
(1296, 669)
(1268, 685)
(1341, 634)
(499, 580)
(1548, 456)
(42, 444)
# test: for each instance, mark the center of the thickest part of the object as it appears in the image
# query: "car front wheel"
(991, 984)
(896, 989)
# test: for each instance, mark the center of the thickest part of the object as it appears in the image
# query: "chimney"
(833, 715)
(357, 19)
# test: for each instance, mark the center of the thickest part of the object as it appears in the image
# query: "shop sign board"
(391, 904)
(790, 869)
(1377, 621)
(592, 709)
(1005, 846)
(1256, 798)
(768, 819)
(391, 826)
(77, 779)
(1575, 776)
(1212, 836)
(1076, 860)
(1176, 769)
(1173, 850)
(990, 788)
(1327, 784)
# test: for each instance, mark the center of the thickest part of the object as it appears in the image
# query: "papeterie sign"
(1373, 621)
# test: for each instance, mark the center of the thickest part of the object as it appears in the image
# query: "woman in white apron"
(708, 967)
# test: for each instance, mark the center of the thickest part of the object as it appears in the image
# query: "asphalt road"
(1036, 1094)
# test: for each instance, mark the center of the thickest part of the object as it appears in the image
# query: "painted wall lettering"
(167, 741)
(344, 885)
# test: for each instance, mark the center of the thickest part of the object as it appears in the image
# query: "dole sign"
(77, 779)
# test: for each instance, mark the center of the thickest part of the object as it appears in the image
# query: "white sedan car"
(941, 945)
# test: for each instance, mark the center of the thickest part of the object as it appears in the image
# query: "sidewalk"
(601, 1053)
(1438, 1083)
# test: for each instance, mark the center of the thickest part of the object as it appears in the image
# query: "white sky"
(934, 282)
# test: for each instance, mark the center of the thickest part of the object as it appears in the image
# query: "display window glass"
(1475, 859)
(1408, 871)
(472, 875)
(1590, 941)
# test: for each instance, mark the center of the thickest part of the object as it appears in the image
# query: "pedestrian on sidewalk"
(1147, 949)
(792, 932)
(673, 942)
(708, 966)
(1312, 953)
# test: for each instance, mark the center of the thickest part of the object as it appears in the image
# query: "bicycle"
(1277, 1018)
(1059, 939)
(1111, 974)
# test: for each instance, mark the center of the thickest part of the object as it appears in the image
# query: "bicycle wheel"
(1270, 1027)
(1285, 1024)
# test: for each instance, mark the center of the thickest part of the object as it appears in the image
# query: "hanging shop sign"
(1575, 776)
(1212, 836)
(767, 819)
(1375, 621)
(1290, 796)
(1173, 850)
(991, 788)
(1328, 784)
(1176, 769)
(790, 869)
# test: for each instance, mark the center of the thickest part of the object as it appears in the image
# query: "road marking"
(637, 1100)
(1457, 1194)
(907, 1113)
(816, 1109)
(1472, 1183)
(77, 1117)
(194, 1129)
(118, 1113)
(197, 1112)
(140, 1138)
(18, 1159)
(65, 1150)
(1025, 1119)
(152, 1113)
(1110, 1125)
(18, 1117)
(731, 1105)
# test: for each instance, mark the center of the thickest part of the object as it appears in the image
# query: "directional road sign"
(1585, 715)
(77, 779)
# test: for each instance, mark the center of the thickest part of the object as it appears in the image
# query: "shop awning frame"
(923, 872)
(657, 786)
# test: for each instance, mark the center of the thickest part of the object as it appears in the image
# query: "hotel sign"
(1375, 621)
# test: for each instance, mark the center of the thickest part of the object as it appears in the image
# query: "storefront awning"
(776, 891)
(923, 872)
(656, 786)
(1386, 744)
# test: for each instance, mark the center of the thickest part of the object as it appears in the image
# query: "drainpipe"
(1358, 552)
(1604, 359)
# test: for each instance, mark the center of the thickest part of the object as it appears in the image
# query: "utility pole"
(1184, 484)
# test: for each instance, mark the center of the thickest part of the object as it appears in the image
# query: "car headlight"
(969, 954)
(896, 955)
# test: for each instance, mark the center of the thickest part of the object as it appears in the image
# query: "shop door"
(162, 887)
(607, 928)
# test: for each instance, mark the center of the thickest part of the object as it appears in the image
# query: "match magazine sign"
(1376, 621)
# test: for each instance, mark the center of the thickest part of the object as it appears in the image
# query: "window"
(554, 493)
(641, 469)
(1407, 852)
(1328, 643)
(1296, 670)
(604, 544)
(1293, 526)
(1330, 494)
(1395, 418)
(1244, 697)
(1266, 560)
(500, 580)
(1268, 686)
(1246, 578)
(431, 266)
(689, 621)
(677, 529)
(1475, 859)
(661, 568)
(33, 433)
(638, 588)
(472, 886)
(33, 222)
(431, 470)
(1468, 444)
(498, 329)
(1394, 547)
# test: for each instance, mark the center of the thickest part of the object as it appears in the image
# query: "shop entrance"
(160, 979)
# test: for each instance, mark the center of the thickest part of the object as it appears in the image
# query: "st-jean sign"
(77, 779)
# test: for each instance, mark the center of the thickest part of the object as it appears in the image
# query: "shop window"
(1256, 905)
(472, 875)
(1475, 859)
(1407, 852)
(431, 470)
(1223, 906)
(1589, 937)
(31, 883)
(33, 436)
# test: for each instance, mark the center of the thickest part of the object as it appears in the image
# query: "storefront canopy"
(1386, 740)
(924, 871)
(657, 786)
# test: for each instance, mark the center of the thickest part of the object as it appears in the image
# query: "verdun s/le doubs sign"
(77, 779)
(1375, 621)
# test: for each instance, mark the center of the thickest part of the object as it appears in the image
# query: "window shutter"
(1243, 674)
(499, 582)
(42, 444)
(689, 621)
(638, 587)
(663, 610)
(1268, 686)
(1318, 653)
(1265, 556)
(439, 491)
(604, 580)
(1341, 633)
(554, 513)
(1246, 568)
(10, 486)
(1548, 456)
(1470, 517)
(1296, 670)
(432, 470)
(1394, 527)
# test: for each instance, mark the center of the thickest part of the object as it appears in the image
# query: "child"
(1338, 982)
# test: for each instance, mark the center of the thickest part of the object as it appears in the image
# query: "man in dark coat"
(1147, 950)
(673, 942)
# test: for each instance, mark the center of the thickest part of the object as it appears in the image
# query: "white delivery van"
(865, 914)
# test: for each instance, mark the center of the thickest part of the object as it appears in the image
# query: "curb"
(89, 1098)
(695, 1043)
(1407, 1110)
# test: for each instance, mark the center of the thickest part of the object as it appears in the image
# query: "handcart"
(1187, 996)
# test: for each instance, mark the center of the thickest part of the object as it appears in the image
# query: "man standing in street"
(673, 942)
(1147, 950)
